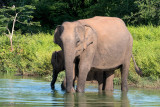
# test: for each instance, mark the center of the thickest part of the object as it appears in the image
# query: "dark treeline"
(53, 12)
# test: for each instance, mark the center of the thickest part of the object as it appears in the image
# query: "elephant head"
(58, 32)
(73, 38)
(57, 62)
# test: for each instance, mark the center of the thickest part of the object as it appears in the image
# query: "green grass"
(32, 55)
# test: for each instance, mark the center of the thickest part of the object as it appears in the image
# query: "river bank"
(32, 55)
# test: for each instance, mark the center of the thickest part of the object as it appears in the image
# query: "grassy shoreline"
(32, 56)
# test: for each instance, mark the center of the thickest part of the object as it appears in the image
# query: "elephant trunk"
(54, 78)
(69, 56)
(138, 70)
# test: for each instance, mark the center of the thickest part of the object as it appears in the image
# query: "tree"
(149, 11)
(10, 15)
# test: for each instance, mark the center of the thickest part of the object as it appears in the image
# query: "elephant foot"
(109, 89)
(79, 90)
(124, 89)
(109, 86)
(72, 90)
(52, 86)
(124, 85)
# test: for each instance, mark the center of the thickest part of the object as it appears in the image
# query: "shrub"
(32, 54)
(146, 49)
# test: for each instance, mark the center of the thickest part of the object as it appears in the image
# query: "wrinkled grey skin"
(57, 62)
(100, 43)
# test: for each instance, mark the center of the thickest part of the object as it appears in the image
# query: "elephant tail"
(138, 70)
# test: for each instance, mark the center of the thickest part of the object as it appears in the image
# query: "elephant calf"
(103, 78)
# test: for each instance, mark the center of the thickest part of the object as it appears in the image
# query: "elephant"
(99, 43)
(57, 62)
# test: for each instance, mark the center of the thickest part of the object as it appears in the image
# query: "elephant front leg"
(84, 67)
(54, 78)
(83, 72)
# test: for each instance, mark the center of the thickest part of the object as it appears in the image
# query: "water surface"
(20, 91)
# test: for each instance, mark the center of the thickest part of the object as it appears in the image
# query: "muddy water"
(20, 91)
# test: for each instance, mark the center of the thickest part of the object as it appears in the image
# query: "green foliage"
(147, 82)
(149, 11)
(32, 54)
(131, 11)
(23, 20)
(51, 13)
(61, 76)
(146, 49)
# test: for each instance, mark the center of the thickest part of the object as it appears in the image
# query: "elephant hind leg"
(124, 76)
(100, 86)
(99, 77)
(108, 80)
(125, 67)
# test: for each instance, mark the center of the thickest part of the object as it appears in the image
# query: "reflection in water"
(95, 99)
(36, 92)
(124, 99)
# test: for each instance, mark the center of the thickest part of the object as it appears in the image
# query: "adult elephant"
(57, 62)
(100, 43)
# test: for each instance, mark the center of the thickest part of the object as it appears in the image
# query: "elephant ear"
(84, 37)
(79, 33)
(57, 35)
(89, 36)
